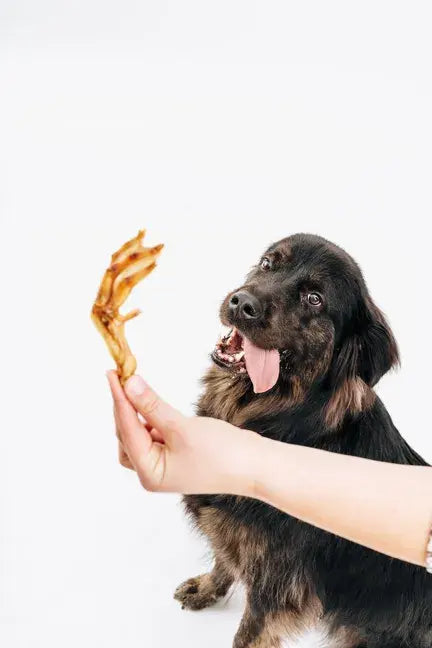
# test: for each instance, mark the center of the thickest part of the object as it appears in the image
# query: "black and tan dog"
(307, 346)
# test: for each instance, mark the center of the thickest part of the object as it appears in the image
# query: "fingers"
(133, 434)
(156, 412)
(121, 403)
(124, 458)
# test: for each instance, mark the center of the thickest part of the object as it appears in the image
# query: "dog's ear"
(378, 349)
(369, 351)
(366, 353)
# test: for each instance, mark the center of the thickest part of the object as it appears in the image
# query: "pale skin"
(386, 507)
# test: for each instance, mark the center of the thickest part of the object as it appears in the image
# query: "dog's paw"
(197, 593)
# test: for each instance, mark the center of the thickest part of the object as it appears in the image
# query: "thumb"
(156, 412)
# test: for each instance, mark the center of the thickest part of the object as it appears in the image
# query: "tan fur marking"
(354, 396)
(235, 546)
(288, 624)
(343, 637)
(284, 250)
(271, 403)
(275, 627)
(298, 391)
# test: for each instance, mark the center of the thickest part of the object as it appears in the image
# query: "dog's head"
(305, 314)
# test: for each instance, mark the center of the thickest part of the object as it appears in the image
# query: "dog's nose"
(245, 305)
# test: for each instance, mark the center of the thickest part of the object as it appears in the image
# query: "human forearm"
(386, 507)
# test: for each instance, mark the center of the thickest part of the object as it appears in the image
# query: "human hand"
(177, 453)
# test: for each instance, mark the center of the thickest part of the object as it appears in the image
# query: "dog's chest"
(243, 550)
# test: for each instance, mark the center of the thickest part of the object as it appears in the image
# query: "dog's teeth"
(238, 356)
(225, 333)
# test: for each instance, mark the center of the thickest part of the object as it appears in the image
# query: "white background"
(221, 127)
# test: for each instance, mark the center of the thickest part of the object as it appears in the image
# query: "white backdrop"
(220, 127)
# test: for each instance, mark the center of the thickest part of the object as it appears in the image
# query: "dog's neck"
(230, 397)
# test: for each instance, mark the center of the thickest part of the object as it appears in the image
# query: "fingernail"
(135, 386)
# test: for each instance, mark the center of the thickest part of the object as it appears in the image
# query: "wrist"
(253, 475)
(275, 470)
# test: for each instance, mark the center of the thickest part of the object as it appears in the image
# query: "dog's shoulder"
(373, 435)
(369, 434)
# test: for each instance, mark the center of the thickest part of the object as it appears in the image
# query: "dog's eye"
(314, 299)
(265, 263)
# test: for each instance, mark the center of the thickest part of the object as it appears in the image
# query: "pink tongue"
(262, 366)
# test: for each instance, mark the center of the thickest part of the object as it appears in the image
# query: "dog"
(306, 347)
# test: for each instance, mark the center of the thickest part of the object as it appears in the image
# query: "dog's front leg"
(202, 591)
(258, 630)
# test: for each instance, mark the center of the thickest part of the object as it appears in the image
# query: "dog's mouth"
(238, 354)
(229, 351)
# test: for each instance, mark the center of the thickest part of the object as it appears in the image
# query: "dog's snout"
(244, 305)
